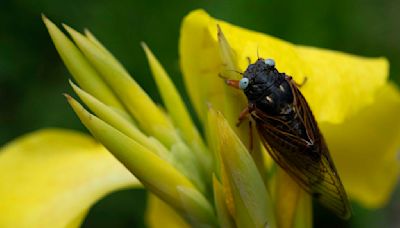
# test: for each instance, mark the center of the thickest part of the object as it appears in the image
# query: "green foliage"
(32, 74)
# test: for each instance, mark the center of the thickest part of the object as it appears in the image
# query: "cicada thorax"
(270, 93)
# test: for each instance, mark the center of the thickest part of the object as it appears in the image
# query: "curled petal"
(50, 178)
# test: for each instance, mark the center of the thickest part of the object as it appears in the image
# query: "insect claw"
(240, 121)
(243, 115)
(305, 79)
(248, 59)
(288, 77)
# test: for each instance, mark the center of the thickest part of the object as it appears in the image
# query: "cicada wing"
(315, 174)
(305, 157)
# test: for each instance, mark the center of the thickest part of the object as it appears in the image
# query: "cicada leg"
(302, 83)
(249, 60)
(250, 136)
(230, 82)
(305, 79)
(244, 115)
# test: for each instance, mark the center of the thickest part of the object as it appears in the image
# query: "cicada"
(290, 134)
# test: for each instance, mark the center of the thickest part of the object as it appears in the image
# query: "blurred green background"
(32, 76)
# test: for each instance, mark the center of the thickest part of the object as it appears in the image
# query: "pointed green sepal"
(119, 122)
(156, 174)
(252, 202)
(235, 100)
(178, 111)
(150, 118)
(80, 68)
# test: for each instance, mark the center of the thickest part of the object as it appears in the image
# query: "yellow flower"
(54, 176)
(353, 102)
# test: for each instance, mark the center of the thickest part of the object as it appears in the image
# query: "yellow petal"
(287, 195)
(338, 84)
(304, 211)
(200, 63)
(365, 149)
(293, 205)
(50, 178)
(224, 218)
(159, 215)
(80, 68)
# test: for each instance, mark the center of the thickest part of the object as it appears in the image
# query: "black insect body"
(290, 133)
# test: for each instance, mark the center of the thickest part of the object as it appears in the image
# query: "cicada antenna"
(222, 76)
(236, 71)
(226, 78)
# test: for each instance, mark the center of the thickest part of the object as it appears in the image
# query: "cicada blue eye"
(243, 83)
(269, 62)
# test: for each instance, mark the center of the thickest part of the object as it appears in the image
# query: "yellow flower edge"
(365, 149)
(51, 178)
(350, 97)
(338, 84)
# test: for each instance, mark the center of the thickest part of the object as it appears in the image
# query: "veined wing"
(305, 159)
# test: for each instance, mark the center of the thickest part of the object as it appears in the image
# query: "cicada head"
(258, 78)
